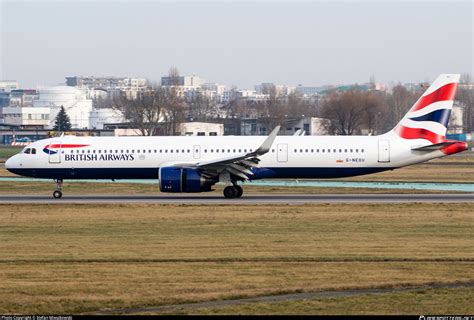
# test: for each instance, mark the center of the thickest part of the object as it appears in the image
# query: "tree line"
(350, 112)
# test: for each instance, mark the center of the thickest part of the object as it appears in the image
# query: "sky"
(239, 43)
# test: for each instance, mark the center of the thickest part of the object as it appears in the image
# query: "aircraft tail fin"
(429, 116)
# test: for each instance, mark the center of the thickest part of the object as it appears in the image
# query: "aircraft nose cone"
(9, 164)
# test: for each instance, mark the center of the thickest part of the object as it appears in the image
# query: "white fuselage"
(289, 157)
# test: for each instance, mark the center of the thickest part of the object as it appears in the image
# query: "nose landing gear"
(59, 185)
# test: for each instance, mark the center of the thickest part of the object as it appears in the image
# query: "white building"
(456, 120)
(201, 129)
(77, 106)
(96, 86)
(99, 117)
(215, 87)
(27, 116)
(186, 81)
(8, 85)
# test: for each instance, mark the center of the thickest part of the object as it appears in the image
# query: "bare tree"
(201, 107)
(398, 103)
(465, 95)
(348, 111)
(273, 110)
(174, 113)
(143, 112)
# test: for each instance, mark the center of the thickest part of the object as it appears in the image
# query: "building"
(8, 85)
(201, 129)
(96, 86)
(456, 121)
(100, 117)
(74, 100)
(312, 126)
(183, 81)
(280, 90)
(183, 129)
(214, 87)
(23, 97)
(27, 116)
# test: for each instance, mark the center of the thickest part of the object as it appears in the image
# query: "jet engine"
(176, 179)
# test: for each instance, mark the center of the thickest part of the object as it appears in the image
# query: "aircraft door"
(282, 152)
(55, 152)
(196, 152)
(384, 151)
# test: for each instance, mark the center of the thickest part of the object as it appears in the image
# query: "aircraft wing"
(239, 165)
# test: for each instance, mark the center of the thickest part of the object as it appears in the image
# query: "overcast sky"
(236, 43)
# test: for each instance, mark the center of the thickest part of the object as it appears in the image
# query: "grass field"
(89, 258)
(422, 302)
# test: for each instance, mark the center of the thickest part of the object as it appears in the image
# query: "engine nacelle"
(174, 179)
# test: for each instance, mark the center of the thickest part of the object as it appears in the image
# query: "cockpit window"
(33, 151)
(27, 151)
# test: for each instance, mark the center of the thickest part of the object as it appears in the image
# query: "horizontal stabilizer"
(436, 146)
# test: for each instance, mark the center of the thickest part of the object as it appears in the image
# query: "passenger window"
(357, 150)
(296, 150)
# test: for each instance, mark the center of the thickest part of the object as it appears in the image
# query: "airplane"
(195, 163)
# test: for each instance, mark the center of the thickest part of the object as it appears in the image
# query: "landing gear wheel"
(240, 191)
(57, 194)
(59, 185)
(231, 192)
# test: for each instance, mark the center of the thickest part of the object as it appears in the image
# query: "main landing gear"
(234, 191)
(59, 185)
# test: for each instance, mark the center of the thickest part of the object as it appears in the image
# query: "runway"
(203, 199)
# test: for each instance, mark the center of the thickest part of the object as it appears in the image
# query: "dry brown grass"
(421, 302)
(84, 258)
